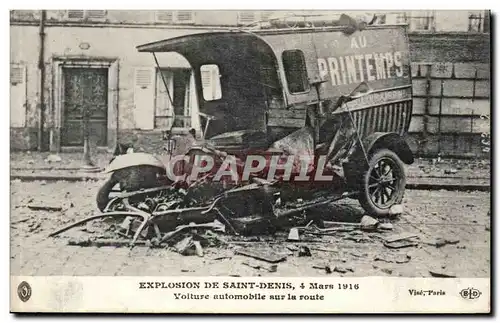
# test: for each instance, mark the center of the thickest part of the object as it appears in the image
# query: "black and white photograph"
(325, 144)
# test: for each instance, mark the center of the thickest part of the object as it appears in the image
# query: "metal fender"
(389, 140)
(133, 159)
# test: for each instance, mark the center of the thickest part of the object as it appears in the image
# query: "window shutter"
(264, 15)
(193, 105)
(96, 14)
(164, 109)
(144, 93)
(76, 14)
(246, 17)
(165, 16)
(17, 95)
(185, 16)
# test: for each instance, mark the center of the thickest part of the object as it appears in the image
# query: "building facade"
(70, 64)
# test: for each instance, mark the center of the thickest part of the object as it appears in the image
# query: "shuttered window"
(249, 17)
(185, 16)
(179, 82)
(144, 97)
(96, 14)
(246, 17)
(295, 71)
(17, 95)
(173, 17)
(418, 20)
(76, 14)
(87, 14)
(166, 16)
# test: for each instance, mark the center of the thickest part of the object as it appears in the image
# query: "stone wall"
(451, 89)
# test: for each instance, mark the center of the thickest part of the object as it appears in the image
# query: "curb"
(448, 187)
(55, 178)
(413, 185)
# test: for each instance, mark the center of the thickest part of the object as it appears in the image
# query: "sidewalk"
(423, 174)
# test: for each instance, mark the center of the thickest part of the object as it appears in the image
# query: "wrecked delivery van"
(341, 95)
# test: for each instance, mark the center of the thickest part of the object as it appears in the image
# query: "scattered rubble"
(385, 226)
(261, 254)
(304, 251)
(294, 235)
(19, 221)
(45, 208)
(441, 274)
(387, 270)
(368, 223)
(53, 159)
(185, 246)
(175, 221)
(34, 226)
(396, 210)
(358, 255)
(399, 237)
(258, 265)
(326, 268)
(450, 171)
(440, 242)
(393, 258)
(90, 242)
(401, 241)
(400, 244)
(324, 249)
(343, 270)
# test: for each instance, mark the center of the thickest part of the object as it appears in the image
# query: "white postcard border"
(101, 294)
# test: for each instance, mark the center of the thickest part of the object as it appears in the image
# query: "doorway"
(85, 92)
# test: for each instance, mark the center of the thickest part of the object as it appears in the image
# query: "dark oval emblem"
(470, 293)
(24, 291)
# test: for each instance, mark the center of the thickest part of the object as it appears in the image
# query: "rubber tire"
(364, 198)
(102, 198)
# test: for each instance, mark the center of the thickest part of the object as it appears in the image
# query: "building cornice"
(121, 25)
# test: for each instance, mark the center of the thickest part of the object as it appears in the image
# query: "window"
(210, 80)
(419, 20)
(478, 22)
(175, 17)
(180, 84)
(17, 95)
(249, 17)
(87, 14)
(16, 75)
(295, 71)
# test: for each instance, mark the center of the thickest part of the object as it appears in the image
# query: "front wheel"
(383, 183)
(102, 198)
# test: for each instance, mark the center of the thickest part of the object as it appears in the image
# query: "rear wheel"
(383, 183)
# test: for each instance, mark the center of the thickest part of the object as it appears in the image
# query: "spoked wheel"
(383, 183)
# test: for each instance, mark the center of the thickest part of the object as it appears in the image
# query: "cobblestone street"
(462, 216)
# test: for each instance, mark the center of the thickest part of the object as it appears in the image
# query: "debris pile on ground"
(240, 219)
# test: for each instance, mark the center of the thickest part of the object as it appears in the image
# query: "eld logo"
(24, 291)
(470, 293)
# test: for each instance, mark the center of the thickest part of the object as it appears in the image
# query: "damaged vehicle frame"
(342, 93)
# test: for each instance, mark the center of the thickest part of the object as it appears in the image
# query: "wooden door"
(85, 91)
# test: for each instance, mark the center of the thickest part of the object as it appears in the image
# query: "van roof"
(168, 44)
